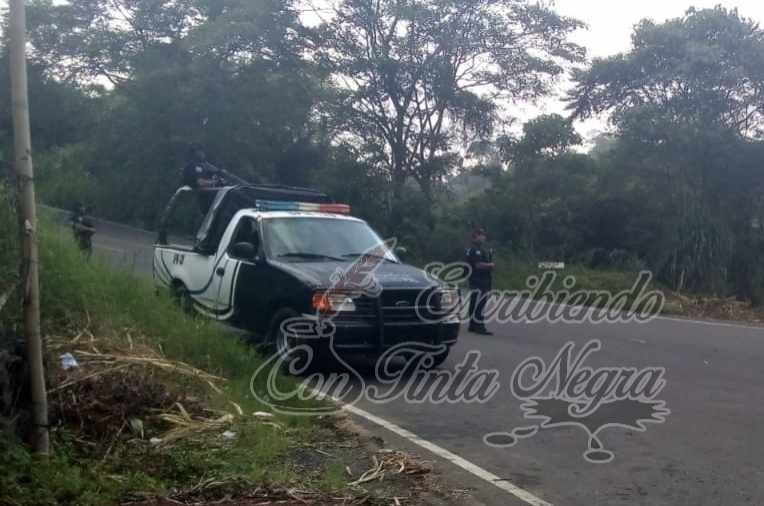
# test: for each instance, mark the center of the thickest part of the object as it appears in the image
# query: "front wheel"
(278, 336)
(296, 354)
(425, 358)
(439, 358)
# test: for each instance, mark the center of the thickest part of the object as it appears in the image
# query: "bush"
(63, 178)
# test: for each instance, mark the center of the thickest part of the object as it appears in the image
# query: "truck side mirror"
(243, 250)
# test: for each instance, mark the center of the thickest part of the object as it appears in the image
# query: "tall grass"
(117, 308)
(513, 274)
(79, 293)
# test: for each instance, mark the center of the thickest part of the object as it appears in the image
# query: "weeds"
(146, 372)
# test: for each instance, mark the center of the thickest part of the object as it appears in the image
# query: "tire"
(440, 358)
(285, 347)
(276, 337)
(181, 297)
(437, 358)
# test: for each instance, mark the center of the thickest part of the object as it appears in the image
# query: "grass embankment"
(513, 274)
(106, 412)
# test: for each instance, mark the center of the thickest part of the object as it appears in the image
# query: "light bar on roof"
(306, 207)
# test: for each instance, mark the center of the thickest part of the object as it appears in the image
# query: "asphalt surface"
(710, 450)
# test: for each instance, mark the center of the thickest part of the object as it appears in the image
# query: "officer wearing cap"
(202, 176)
(83, 228)
(198, 172)
(481, 261)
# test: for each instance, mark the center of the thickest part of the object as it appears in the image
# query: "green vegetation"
(384, 109)
(514, 275)
(103, 460)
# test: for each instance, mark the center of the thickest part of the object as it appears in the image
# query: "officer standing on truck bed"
(481, 279)
(198, 172)
(202, 176)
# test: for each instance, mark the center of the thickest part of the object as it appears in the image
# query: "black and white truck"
(264, 254)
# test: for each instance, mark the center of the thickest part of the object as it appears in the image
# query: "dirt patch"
(726, 309)
(375, 474)
(345, 465)
(122, 399)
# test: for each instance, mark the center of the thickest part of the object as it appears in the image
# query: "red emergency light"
(305, 207)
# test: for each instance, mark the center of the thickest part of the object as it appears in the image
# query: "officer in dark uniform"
(481, 279)
(83, 229)
(202, 176)
(198, 172)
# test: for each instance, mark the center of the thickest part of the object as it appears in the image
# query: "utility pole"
(30, 281)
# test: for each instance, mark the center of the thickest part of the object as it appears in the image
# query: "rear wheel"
(182, 297)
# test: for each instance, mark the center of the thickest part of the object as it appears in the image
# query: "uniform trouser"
(86, 244)
(478, 298)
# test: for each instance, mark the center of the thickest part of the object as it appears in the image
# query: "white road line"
(710, 323)
(468, 466)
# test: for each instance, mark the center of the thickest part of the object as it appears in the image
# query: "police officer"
(202, 176)
(481, 260)
(198, 172)
(83, 229)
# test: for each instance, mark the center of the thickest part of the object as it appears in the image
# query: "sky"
(610, 24)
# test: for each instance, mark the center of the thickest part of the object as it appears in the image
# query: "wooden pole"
(28, 219)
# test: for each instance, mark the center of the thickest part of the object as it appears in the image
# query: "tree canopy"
(405, 109)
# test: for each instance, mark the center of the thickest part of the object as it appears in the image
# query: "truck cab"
(262, 255)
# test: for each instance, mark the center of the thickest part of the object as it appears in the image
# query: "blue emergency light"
(281, 205)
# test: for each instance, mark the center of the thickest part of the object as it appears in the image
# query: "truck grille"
(397, 307)
(400, 306)
(365, 312)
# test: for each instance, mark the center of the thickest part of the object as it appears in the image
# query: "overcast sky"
(610, 26)
(610, 22)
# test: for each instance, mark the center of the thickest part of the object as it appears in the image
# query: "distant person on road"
(83, 229)
(481, 261)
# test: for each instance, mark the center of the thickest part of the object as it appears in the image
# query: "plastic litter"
(68, 362)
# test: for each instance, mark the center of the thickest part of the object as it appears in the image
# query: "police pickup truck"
(256, 256)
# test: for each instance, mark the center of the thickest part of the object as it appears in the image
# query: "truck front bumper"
(378, 336)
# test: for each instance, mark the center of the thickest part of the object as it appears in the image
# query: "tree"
(550, 187)
(230, 74)
(420, 78)
(706, 67)
(547, 136)
(89, 39)
(688, 102)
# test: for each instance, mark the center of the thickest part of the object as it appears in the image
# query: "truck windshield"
(316, 239)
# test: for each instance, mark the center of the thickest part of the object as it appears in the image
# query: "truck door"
(227, 273)
(176, 257)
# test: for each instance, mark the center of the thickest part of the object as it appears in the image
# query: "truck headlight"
(332, 302)
(449, 300)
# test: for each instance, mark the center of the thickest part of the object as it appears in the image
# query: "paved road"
(709, 452)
